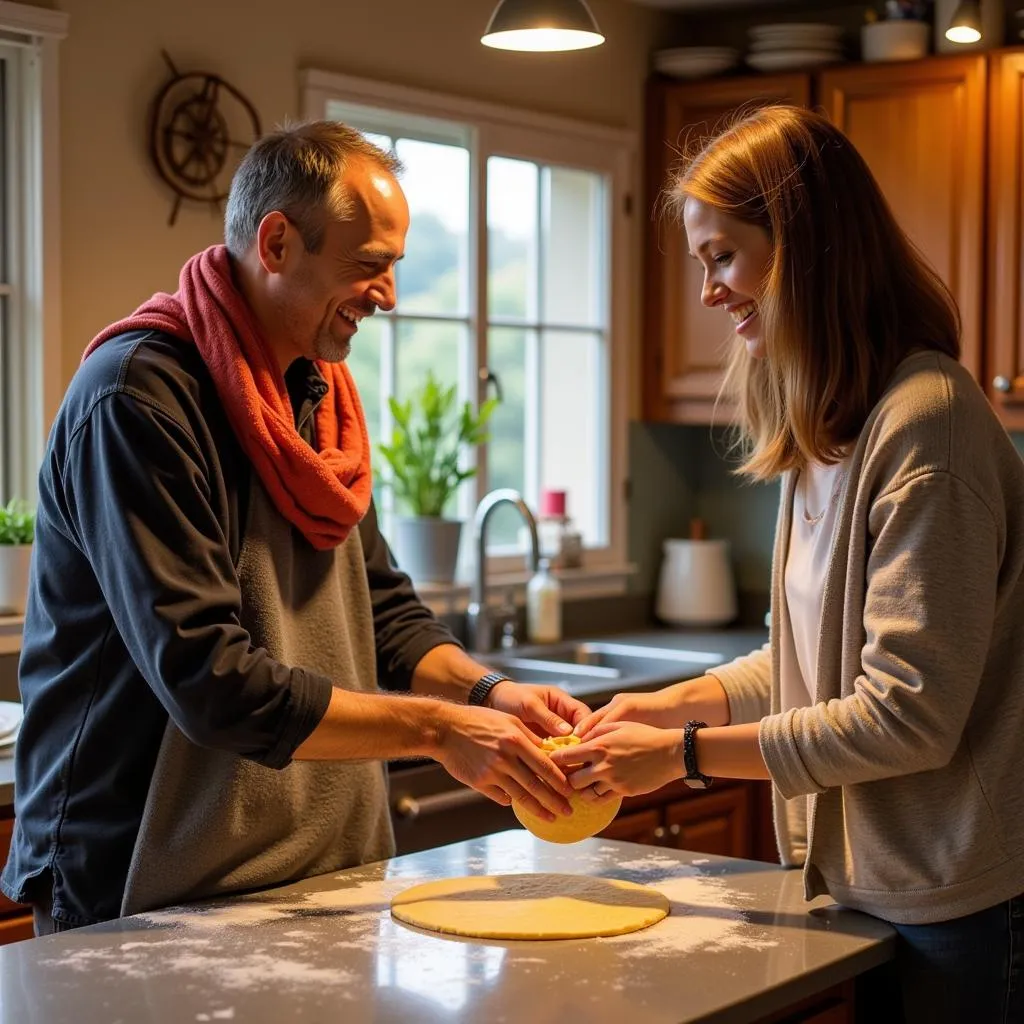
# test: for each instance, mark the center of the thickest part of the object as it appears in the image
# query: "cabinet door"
(684, 342)
(640, 827)
(1004, 366)
(712, 823)
(921, 128)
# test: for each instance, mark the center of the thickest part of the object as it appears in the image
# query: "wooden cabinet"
(1004, 369)
(920, 127)
(720, 821)
(685, 340)
(944, 136)
(15, 920)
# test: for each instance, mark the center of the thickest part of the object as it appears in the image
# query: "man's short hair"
(298, 170)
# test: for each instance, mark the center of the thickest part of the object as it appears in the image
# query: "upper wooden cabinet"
(939, 134)
(921, 128)
(1004, 367)
(684, 339)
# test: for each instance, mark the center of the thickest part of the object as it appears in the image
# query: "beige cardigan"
(914, 748)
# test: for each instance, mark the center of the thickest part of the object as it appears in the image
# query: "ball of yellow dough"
(586, 820)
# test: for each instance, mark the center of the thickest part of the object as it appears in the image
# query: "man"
(211, 600)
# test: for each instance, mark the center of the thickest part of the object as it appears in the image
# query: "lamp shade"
(965, 25)
(542, 25)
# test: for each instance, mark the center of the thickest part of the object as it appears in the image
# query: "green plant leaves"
(426, 443)
(17, 523)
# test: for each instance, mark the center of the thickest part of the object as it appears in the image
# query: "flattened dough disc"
(586, 820)
(530, 906)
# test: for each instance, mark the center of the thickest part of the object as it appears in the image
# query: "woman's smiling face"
(735, 255)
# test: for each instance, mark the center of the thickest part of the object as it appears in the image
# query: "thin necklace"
(836, 487)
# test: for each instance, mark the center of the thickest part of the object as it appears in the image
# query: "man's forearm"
(447, 671)
(361, 726)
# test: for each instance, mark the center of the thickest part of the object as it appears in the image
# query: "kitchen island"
(740, 944)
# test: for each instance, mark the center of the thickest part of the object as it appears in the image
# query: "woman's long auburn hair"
(846, 297)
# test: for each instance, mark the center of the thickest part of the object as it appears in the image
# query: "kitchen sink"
(579, 666)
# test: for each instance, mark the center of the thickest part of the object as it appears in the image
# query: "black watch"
(694, 778)
(483, 686)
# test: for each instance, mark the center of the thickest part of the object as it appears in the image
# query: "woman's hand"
(622, 757)
(660, 709)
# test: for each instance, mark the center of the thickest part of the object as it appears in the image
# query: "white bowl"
(797, 31)
(695, 61)
(789, 60)
(894, 40)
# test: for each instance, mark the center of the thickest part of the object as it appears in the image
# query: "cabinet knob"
(1008, 385)
(675, 830)
(660, 833)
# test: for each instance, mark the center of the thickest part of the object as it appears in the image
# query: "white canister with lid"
(696, 586)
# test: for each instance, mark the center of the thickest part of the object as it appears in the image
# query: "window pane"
(384, 141)
(574, 247)
(424, 345)
(574, 426)
(506, 454)
(433, 277)
(512, 238)
(365, 362)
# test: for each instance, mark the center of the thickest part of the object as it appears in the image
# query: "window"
(512, 286)
(30, 377)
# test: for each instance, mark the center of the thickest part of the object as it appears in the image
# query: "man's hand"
(497, 754)
(547, 710)
(624, 758)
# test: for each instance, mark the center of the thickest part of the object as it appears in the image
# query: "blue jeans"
(966, 971)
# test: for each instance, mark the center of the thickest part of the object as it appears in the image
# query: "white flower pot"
(427, 548)
(14, 564)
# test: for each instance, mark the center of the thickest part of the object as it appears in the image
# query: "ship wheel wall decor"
(200, 129)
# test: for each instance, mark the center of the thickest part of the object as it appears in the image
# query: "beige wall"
(117, 246)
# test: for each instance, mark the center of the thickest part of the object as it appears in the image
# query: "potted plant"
(429, 434)
(17, 530)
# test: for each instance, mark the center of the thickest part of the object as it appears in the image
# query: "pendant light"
(542, 25)
(965, 25)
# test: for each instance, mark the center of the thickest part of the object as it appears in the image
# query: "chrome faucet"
(479, 628)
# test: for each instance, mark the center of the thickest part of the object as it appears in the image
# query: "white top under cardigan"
(812, 532)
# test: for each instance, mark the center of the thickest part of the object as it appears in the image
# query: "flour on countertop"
(704, 916)
(226, 1014)
(229, 969)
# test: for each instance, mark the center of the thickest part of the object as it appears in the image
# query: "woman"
(888, 708)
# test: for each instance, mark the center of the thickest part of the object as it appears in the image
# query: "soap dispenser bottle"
(544, 606)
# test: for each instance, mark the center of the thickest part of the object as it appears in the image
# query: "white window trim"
(575, 143)
(37, 33)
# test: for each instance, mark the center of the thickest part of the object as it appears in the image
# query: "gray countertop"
(740, 943)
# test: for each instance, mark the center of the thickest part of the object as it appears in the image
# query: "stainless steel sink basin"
(592, 665)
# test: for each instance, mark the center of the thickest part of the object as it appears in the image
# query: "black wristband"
(694, 777)
(483, 686)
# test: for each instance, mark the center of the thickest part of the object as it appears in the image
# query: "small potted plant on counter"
(429, 435)
(17, 531)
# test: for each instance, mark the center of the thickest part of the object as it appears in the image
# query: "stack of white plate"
(695, 61)
(795, 45)
(10, 723)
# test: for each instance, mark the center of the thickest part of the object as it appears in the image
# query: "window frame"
(526, 135)
(34, 382)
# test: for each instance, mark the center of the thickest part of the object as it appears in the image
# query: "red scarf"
(324, 493)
